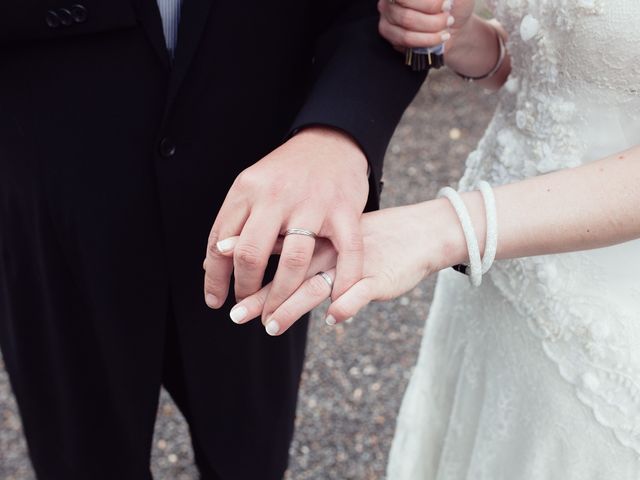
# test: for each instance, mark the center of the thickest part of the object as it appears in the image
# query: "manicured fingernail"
(272, 328)
(226, 245)
(212, 300)
(450, 21)
(330, 320)
(238, 314)
(445, 36)
(446, 6)
(349, 320)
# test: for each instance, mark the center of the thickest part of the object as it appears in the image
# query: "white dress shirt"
(170, 12)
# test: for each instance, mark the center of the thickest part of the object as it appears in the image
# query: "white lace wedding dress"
(536, 374)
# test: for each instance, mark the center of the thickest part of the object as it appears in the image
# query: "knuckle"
(316, 287)
(247, 180)
(382, 27)
(407, 38)
(432, 6)
(353, 244)
(285, 315)
(442, 24)
(249, 257)
(406, 19)
(295, 259)
(274, 190)
(211, 284)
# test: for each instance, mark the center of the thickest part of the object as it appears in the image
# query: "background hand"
(422, 23)
(316, 181)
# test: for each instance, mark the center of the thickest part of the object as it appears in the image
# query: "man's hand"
(316, 181)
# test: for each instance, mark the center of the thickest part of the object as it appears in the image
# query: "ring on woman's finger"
(327, 278)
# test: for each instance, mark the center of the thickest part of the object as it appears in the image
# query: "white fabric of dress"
(536, 374)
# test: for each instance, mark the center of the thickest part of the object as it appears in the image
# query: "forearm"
(474, 50)
(591, 206)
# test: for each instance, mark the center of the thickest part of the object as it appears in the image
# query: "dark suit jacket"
(113, 163)
(83, 101)
(297, 62)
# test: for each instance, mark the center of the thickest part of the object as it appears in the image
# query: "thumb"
(351, 301)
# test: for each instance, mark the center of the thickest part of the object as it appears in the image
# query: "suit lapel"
(193, 19)
(149, 16)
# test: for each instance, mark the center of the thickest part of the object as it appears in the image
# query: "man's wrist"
(336, 138)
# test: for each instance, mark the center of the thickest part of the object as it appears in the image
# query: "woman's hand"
(422, 23)
(401, 246)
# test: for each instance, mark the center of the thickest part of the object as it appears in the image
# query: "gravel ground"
(355, 373)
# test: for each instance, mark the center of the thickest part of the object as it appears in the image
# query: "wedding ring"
(327, 278)
(300, 231)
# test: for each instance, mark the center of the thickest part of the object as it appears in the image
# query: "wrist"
(443, 226)
(335, 139)
(451, 247)
(474, 49)
(461, 39)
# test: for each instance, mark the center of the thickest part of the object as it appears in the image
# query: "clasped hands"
(317, 181)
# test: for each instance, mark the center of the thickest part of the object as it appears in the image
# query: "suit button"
(52, 19)
(79, 13)
(167, 148)
(64, 14)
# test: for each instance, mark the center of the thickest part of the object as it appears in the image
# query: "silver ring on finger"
(300, 231)
(327, 278)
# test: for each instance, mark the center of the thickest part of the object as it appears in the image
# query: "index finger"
(218, 267)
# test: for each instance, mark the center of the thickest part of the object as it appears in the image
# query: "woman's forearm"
(590, 206)
(474, 51)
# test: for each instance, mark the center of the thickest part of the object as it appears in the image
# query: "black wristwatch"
(421, 59)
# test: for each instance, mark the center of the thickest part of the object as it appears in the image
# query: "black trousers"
(88, 335)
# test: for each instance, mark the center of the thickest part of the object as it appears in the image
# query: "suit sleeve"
(361, 85)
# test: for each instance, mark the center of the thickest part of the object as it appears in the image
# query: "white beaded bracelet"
(477, 267)
(491, 243)
(474, 270)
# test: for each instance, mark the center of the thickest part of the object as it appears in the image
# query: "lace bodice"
(573, 96)
(574, 90)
